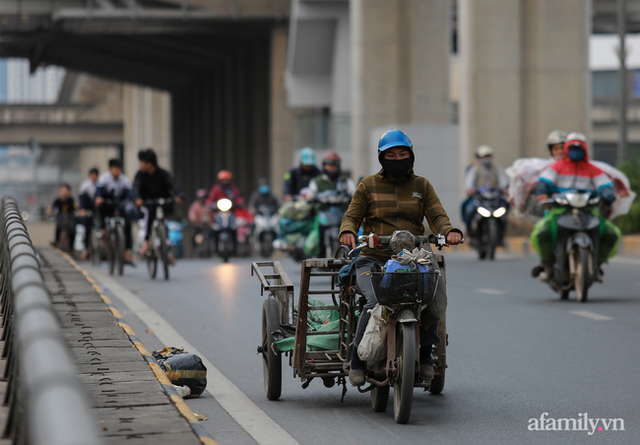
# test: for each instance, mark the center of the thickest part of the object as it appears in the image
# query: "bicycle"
(115, 238)
(159, 238)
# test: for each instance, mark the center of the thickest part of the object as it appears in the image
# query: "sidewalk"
(131, 402)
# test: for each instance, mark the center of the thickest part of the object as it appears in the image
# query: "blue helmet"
(393, 138)
(307, 156)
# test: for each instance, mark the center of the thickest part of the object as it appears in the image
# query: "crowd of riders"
(102, 196)
(299, 225)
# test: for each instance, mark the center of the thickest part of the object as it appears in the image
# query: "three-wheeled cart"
(282, 319)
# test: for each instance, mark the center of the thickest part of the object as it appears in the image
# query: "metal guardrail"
(47, 404)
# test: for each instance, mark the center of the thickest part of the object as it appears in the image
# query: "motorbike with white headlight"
(577, 244)
(488, 221)
(266, 220)
(225, 228)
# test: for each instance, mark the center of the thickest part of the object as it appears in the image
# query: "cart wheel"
(380, 398)
(271, 361)
(406, 372)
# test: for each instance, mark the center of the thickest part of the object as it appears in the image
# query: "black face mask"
(397, 167)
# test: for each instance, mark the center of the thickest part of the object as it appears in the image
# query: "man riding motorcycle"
(299, 177)
(395, 198)
(242, 218)
(485, 175)
(263, 197)
(225, 188)
(331, 177)
(333, 192)
(574, 172)
(555, 143)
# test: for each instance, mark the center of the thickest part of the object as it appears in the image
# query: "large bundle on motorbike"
(296, 217)
(524, 174)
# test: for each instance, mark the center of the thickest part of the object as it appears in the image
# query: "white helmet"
(556, 137)
(575, 136)
(484, 150)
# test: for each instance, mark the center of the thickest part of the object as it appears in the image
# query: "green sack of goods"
(317, 321)
(312, 242)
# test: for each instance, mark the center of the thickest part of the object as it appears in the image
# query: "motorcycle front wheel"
(581, 280)
(405, 372)
(266, 245)
(493, 239)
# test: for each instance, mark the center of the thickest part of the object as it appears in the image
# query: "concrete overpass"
(215, 58)
(58, 125)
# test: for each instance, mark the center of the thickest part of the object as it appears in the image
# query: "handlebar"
(373, 240)
(158, 201)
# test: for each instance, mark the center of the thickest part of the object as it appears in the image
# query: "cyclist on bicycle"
(153, 182)
(114, 185)
(392, 199)
(64, 208)
(86, 199)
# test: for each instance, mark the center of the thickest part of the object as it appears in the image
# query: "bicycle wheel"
(120, 249)
(164, 249)
(95, 248)
(112, 252)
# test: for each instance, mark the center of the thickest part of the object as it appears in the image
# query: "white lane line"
(491, 291)
(249, 416)
(591, 315)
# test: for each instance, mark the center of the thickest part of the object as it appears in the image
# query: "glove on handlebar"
(607, 195)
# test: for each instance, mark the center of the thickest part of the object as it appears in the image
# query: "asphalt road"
(515, 353)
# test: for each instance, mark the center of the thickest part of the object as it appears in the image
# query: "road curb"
(162, 378)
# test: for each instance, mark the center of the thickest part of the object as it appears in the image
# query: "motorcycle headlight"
(577, 200)
(499, 212)
(484, 212)
(224, 205)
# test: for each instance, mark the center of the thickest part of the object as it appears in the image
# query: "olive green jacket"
(383, 204)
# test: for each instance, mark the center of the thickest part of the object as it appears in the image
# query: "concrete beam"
(79, 134)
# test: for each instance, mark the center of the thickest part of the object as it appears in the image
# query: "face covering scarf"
(576, 154)
(397, 167)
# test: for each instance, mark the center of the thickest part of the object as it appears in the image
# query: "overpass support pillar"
(524, 72)
(147, 124)
(282, 121)
(400, 68)
(96, 157)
